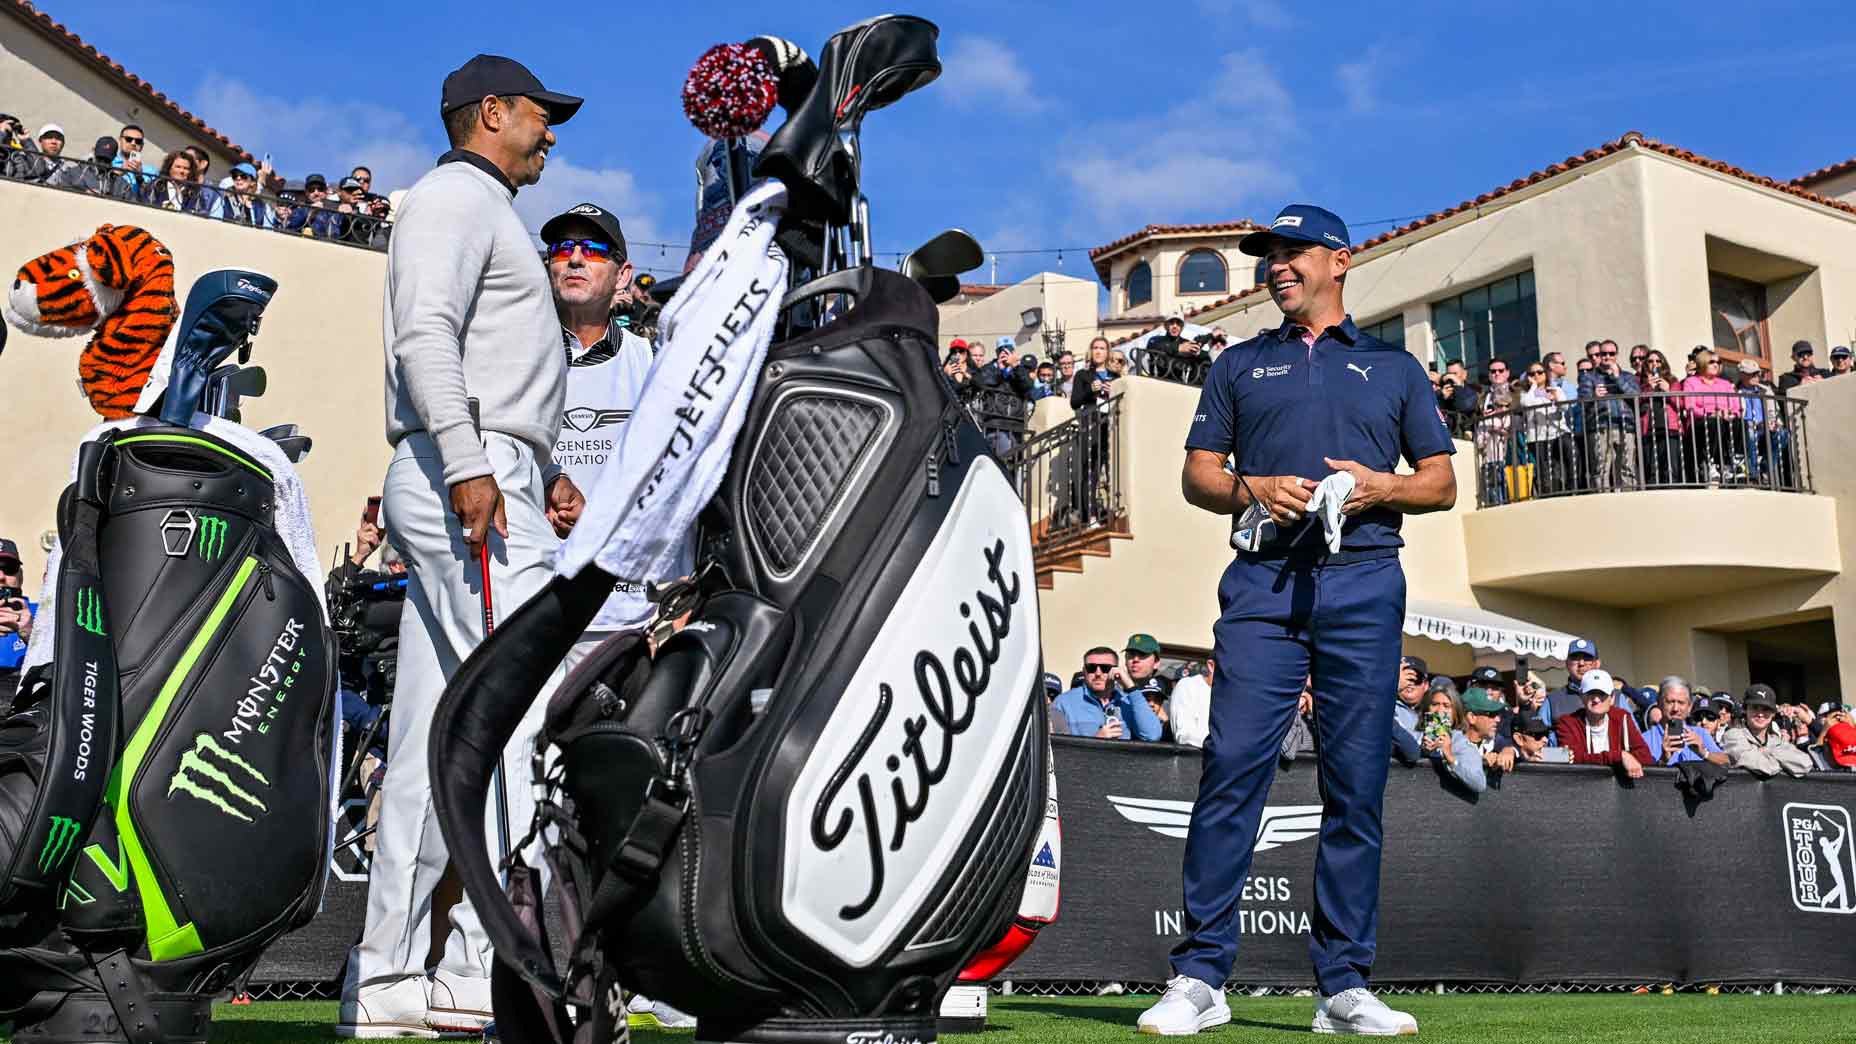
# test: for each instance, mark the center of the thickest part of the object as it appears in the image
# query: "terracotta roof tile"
(111, 69)
(1212, 228)
(980, 289)
(1825, 173)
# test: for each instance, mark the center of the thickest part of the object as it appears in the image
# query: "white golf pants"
(439, 627)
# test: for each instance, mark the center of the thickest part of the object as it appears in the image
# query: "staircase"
(1068, 554)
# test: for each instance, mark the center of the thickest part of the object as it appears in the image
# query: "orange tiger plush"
(119, 282)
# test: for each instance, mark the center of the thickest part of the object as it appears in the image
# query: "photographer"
(365, 606)
(955, 367)
(15, 618)
(16, 612)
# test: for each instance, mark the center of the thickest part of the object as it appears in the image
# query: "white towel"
(676, 447)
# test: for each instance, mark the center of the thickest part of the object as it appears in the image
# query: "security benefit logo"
(1821, 851)
(211, 773)
(1269, 905)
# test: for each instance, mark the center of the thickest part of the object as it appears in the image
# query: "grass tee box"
(1479, 1018)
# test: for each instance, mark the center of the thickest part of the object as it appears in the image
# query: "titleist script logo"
(944, 716)
(878, 1037)
(903, 769)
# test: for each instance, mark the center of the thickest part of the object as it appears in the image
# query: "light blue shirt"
(1653, 738)
(1086, 714)
(1467, 766)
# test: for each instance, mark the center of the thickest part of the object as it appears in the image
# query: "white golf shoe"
(460, 1004)
(1187, 1007)
(386, 1010)
(1357, 1011)
(644, 1013)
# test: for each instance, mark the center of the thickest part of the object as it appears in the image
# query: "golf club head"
(948, 254)
(277, 432)
(222, 313)
(296, 447)
(940, 287)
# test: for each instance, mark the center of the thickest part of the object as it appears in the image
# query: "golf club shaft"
(496, 776)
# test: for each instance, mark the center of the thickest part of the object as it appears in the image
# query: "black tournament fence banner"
(1557, 873)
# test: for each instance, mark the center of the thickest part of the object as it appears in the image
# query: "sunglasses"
(1098, 668)
(591, 249)
(133, 141)
(1536, 373)
(1606, 355)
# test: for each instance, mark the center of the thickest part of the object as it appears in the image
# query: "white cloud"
(1359, 81)
(320, 136)
(1213, 154)
(980, 71)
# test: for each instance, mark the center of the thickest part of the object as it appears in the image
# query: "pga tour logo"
(1819, 850)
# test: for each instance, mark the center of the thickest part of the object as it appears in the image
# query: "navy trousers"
(1280, 621)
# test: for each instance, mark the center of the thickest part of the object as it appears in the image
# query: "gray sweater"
(469, 314)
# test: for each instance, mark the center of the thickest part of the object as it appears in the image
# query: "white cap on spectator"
(1595, 680)
(50, 128)
(1749, 366)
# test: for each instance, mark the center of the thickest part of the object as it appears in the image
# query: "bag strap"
(84, 706)
(122, 987)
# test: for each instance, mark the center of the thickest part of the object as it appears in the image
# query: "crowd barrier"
(1557, 874)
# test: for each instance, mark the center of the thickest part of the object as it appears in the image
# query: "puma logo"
(1360, 371)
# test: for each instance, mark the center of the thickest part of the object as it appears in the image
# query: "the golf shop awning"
(1481, 629)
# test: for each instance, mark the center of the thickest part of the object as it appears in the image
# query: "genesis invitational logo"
(901, 772)
(1281, 824)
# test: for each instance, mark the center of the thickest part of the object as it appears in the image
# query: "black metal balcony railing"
(1069, 476)
(1656, 440)
(1165, 366)
(251, 209)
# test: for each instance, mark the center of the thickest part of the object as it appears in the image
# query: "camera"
(12, 597)
(365, 611)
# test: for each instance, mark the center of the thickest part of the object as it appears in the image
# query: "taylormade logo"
(878, 1037)
(225, 788)
(1281, 824)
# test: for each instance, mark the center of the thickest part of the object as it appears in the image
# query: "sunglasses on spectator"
(1606, 355)
(592, 249)
(1536, 373)
(1098, 668)
(133, 141)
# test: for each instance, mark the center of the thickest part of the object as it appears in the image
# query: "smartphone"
(371, 513)
(267, 160)
(1437, 725)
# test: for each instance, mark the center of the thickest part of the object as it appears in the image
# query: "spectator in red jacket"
(1604, 734)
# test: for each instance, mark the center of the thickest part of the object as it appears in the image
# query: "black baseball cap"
(1761, 696)
(1530, 725)
(1417, 664)
(1802, 348)
(489, 74)
(1300, 223)
(552, 231)
(1485, 675)
(8, 550)
(314, 180)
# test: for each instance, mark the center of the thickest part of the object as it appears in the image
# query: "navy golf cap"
(489, 74)
(1302, 223)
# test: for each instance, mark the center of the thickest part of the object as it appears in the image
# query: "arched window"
(1140, 284)
(1202, 272)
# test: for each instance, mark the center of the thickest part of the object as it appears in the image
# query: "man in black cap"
(1803, 371)
(98, 175)
(475, 380)
(1315, 418)
(1841, 361)
(15, 619)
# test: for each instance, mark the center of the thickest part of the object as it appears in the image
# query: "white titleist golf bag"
(804, 813)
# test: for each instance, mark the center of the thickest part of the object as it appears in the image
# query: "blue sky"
(1053, 126)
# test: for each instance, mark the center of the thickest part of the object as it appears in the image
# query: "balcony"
(1639, 500)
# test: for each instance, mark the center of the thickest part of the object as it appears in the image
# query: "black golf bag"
(164, 785)
(817, 800)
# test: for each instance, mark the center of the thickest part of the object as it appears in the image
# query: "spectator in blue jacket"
(315, 217)
(1100, 708)
(16, 615)
(1674, 740)
(1606, 391)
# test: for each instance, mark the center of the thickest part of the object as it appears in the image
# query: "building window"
(1739, 310)
(1202, 272)
(1140, 284)
(1497, 321)
(1391, 331)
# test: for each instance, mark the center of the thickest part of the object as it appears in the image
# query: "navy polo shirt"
(1279, 405)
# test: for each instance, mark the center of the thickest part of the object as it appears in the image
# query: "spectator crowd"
(116, 167)
(1474, 731)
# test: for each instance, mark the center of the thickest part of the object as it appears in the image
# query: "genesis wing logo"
(586, 418)
(197, 777)
(1281, 824)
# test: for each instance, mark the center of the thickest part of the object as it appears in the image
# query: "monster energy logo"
(200, 778)
(58, 843)
(90, 611)
(212, 537)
